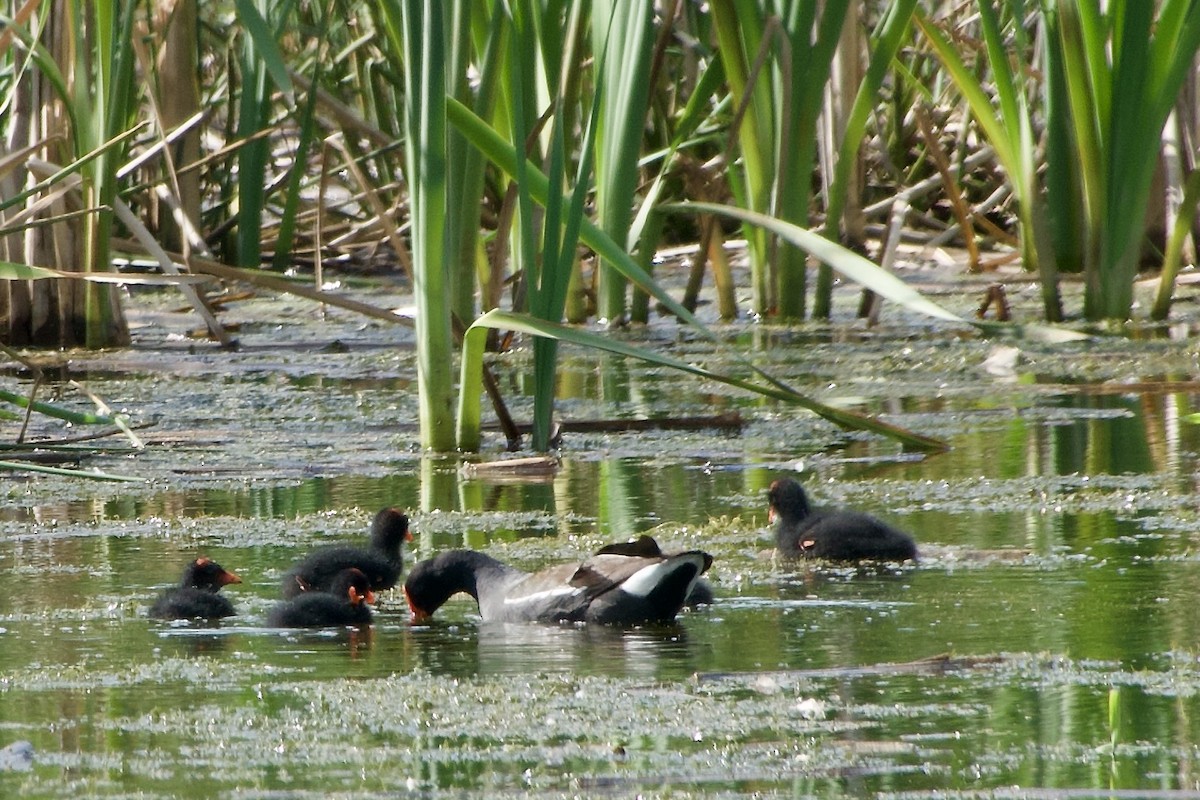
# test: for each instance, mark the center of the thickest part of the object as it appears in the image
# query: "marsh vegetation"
(616, 235)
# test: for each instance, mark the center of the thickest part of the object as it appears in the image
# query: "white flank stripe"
(643, 582)
(537, 597)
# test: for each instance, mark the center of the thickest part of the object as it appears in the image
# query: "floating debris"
(17, 757)
(528, 469)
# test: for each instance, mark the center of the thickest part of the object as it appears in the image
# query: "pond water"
(1045, 643)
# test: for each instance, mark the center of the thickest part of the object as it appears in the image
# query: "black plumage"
(381, 561)
(802, 531)
(346, 603)
(196, 596)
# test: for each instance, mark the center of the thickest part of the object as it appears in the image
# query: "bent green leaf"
(25, 466)
(501, 153)
(10, 271)
(873, 277)
(471, 387)
(74, 417)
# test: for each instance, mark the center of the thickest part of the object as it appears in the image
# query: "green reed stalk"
(697, 113)
(1172, 256)
(1065, 218)
(102, 112)
(803, 72)
(740, 27)
(90, 72)
(306, 120)
(25, 466)
(465, 167)
(254, 112)
(58, 412)
(623, 41)
(421, 31)
(1124, 70)
(778, 58)
(547, 277)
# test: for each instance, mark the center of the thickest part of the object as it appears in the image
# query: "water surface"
(1046, 640)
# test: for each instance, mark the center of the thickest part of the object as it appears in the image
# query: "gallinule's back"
(346, 603)
(606, 588)
(196, 596)
(701, 593)
(382, 561)
(802, 531)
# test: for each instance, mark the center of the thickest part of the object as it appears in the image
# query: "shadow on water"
(468, 648)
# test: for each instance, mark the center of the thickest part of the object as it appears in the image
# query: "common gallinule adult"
(802, 531)
(606, 588)
(701, 593)
(344, 604)
(382, 561)
(196, 596)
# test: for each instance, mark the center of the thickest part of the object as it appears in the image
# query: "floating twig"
(532, 468)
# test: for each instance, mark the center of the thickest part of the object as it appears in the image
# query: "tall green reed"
(306, 138)
(1173, 255)
(1123, 69)
(475, 30)
(1112, 78)
(811, 35)
(418, 30)
(78, 62)
(623, 40)
(84, 76)
(740, 28)
(259, 62)
(103, 113)
(548, 263)
(502, 154)
(1008, 126)
(777, 57)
